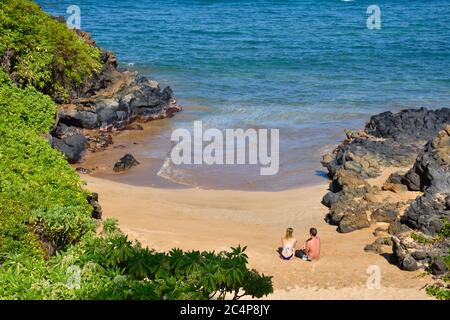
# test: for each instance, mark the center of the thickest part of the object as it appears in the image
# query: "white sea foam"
(169, 172)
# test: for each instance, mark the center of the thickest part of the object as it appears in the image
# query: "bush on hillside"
(37, 50)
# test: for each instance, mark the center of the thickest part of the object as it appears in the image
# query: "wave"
(169, 172)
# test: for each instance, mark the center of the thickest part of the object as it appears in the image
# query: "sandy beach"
(218, 219)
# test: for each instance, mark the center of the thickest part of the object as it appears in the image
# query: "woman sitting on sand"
(288, 245)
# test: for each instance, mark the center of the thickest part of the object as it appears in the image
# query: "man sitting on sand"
(311, 248)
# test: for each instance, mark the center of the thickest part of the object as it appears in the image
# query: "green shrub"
(43, 52)
(447, 260)
(420, 238)
(15, 235)
(445, 231)
(33, 175)
(110, 225)
(112, 267)
(31, 171)
(62, 225)
(438, 292)
(24, 109)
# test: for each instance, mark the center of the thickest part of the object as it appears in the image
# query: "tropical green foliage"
(112, 267)
(27, 107)
(50, 247)
(31, 171)
(439, 292)
(37, 50)
(110, 225)
(63, 225)
(15, 235)
(32, 174)
(445, 231)
(420, 238)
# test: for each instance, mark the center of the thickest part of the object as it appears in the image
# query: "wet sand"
(300, 157)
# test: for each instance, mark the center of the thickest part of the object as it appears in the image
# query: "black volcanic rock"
(410, 124)
(396, 227)
(80, 118)
(426, 214)
(431, 171)
(364, 156)
(439, 267)
(69, 141)
(73, 147)
(109, 100)
(419, 139)
(378, 244)
(353, 221)
(125, 163)
(63, 131)
(130, 97)
(384, 215)
(431, 174)
(93, 201)
(389, 140)
(82, 170)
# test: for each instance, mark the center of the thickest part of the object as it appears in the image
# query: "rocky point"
(109, 101)
(395, 175)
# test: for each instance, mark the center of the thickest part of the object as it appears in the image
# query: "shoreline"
(151, 145)
(197, 219)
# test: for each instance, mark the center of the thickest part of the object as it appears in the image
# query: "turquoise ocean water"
(310, 68)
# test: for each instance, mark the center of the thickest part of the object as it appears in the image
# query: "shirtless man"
(312, 246)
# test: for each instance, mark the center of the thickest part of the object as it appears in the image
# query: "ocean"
(310, 68)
